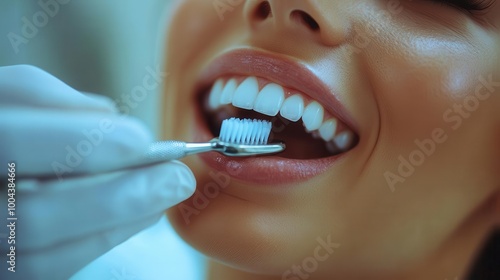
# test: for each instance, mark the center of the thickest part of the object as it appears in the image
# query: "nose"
(321, 19)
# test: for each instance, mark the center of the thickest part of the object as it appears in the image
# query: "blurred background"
(104, 47)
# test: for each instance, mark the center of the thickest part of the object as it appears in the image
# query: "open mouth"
(305, 113)
(308, 129)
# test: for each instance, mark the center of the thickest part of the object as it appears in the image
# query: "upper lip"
(278, 69)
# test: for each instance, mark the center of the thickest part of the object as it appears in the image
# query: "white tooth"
(293, 108)
(327, 129)
(313, 116)
(269, 100)
(226, 96)
(215, 94)
(344, 140)
(245, 94)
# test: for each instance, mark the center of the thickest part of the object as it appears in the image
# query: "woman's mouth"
(308, 130)
(305, 115)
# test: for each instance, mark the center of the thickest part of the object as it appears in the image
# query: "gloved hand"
(68, 212)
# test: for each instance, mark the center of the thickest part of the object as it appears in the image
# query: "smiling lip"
(270, 169)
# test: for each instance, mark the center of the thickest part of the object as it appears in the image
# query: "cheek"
(417, 77)
(192, 22)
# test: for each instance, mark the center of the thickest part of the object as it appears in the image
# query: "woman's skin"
(402, 70)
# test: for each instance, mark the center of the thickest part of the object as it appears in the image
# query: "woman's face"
(412, 85)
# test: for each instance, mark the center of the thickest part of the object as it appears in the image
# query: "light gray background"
(93, 45)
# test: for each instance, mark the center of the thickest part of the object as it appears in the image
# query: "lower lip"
(264, 170)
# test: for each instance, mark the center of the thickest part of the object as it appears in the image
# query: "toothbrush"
(238, 138)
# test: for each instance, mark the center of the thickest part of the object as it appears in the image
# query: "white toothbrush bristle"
(245, 132)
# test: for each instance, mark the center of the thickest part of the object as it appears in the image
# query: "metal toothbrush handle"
(171, 150)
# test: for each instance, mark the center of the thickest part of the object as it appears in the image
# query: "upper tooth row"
(271, 100)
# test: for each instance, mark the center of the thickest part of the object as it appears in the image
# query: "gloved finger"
(48, 142)
(74, 255)
(102, 98)
(52, 211)
(29, 86)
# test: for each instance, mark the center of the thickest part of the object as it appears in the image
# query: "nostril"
(306, 19)
(263, 10)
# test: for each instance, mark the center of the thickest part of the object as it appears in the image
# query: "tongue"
(299, 143)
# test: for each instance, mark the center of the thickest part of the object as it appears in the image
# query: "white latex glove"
(52, 133)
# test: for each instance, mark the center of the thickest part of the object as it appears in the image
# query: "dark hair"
(487, 264)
